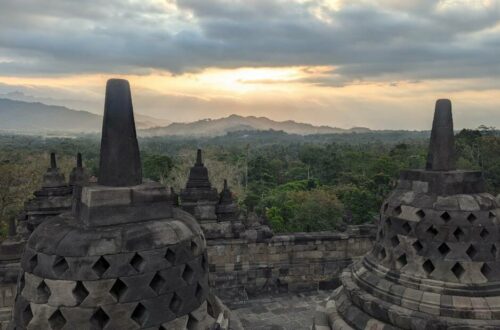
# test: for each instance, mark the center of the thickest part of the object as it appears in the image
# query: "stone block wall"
(244, 267)
(295, 262)
(7, 295)
(8, 277)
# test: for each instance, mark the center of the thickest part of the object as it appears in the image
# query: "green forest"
(298, 183)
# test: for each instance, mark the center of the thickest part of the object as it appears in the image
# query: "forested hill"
(299, 183)
(39, 117)
(222, 126)
(35, 117)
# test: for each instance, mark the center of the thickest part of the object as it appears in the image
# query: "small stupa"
(78, 175)
(53, 198)
(199, 197)
(227, 209)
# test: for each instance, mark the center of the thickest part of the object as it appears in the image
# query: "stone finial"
(198, 188)
(120, 162)
(198, 175)
(79, 163)
(78, 176)
(441, 156)
(225, 196)
(199, 159)
(53, 178)
(226, 209)
(53, 162)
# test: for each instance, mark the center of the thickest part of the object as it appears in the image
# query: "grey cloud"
(387, 39)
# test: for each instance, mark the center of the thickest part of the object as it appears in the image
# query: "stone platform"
(280, 312)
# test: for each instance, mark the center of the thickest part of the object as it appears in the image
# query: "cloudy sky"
(374, 63)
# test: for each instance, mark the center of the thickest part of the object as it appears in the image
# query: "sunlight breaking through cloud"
(322, 61)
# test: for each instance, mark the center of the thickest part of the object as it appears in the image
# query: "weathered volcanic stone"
(53, 178)
(441, 155)
(126, 259)
(78, 178)
(217, 214)
(120, 163)
(227, 209)
(198, 186)
(198, 176)
(78, 175)
(199, 197)
(436, 262)
(52, 199)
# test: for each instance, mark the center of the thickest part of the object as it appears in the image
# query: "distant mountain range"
(217, 127)
(36, 117)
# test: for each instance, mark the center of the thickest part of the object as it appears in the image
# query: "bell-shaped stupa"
(125, 258)
(435, 264)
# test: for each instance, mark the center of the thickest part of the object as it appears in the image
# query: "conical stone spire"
(120, 163)
(198, 175)
(79, 163)
(78, 176)
(199, 159)
(53, 163)
(53, 178)
(199, 197)
(226, 197)
(441, 156)
(227, 209)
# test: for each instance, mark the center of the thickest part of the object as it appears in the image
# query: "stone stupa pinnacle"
(53, 178)
(125, 259)
(441, 155)
(79, 163)
(53, 162)
(199, 158)
(120, 163)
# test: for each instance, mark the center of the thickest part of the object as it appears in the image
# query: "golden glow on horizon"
(245, 82)
(280, 93)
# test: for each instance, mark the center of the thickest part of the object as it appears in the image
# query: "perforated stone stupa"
(126, 258)
(52, 199)
(435, 264)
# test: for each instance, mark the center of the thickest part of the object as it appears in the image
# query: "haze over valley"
(35, 117)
